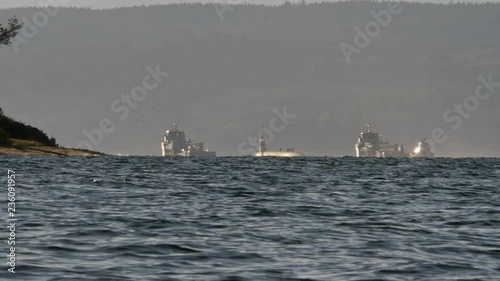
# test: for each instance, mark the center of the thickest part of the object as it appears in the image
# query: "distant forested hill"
(226, 76)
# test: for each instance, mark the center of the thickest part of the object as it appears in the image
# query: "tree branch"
(10, 31)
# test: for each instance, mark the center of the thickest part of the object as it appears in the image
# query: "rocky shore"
(46, 150)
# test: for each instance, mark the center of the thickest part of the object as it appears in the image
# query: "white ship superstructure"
(263, 152)
(423, 149)
(174, 144)
(370, 144)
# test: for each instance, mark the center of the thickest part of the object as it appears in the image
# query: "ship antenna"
(262, 142)
(175, 125)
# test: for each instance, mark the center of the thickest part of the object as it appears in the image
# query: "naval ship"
(263, 151)
(423, 149)
(174, 144)
(370, 144)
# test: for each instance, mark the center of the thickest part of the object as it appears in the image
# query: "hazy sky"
(227, 77)
(120, 3)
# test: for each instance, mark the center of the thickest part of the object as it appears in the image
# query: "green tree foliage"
(19, 130)
(10, 128)
(4, 136)
(8, 32)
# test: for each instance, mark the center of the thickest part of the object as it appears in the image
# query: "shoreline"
(46, 150)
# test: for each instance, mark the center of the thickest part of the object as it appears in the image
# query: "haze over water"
(227, 74)
(244, 218)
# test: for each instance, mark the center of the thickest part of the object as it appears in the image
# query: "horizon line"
(244, 3)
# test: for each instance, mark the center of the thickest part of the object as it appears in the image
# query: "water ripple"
(244, 218)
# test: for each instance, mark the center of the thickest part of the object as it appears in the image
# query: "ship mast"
(262, 145)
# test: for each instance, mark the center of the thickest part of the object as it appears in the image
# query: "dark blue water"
(152, 218)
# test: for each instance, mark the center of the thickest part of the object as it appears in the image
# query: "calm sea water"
(152, 218)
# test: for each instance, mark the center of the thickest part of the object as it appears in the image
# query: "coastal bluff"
(17, 138)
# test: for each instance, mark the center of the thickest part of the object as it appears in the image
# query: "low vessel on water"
(423, 149)
(370, 144)
(174, 144)
(263, 152)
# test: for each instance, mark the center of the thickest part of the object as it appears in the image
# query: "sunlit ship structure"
(371, 144)
(423, 149)
(263, 152)
(174, 144)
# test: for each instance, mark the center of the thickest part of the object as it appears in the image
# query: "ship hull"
(277, 154)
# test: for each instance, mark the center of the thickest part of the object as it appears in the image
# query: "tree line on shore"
(12, 129)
